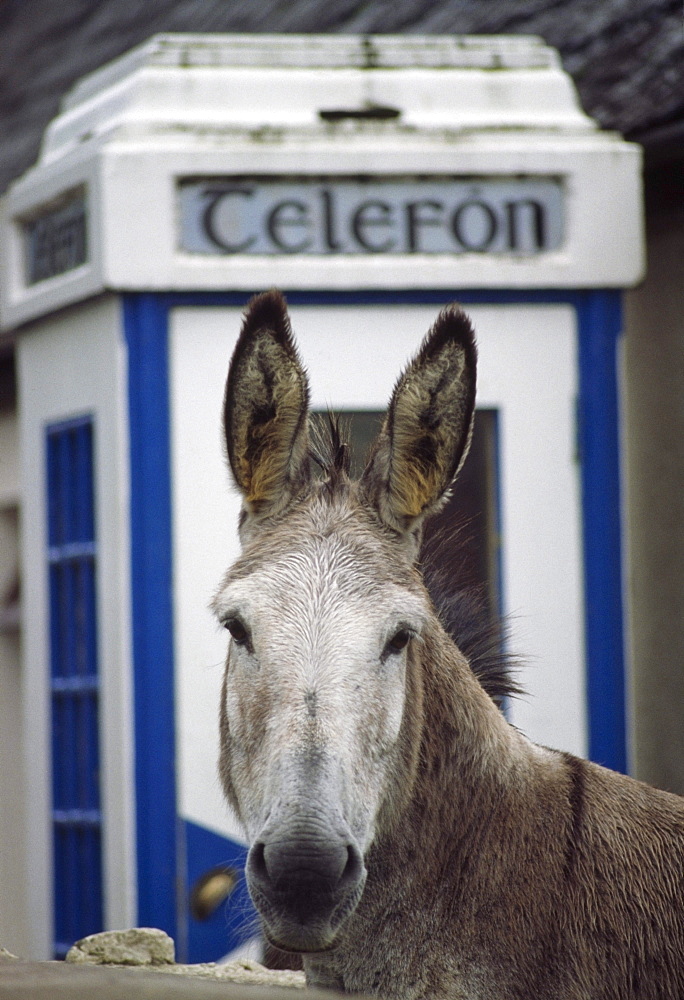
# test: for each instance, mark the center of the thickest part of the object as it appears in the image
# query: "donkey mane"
(330, 452)
(461, 609)
(480, 637)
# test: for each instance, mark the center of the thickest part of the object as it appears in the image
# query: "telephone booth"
(373, 179)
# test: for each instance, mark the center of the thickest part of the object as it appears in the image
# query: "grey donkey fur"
(405, 839)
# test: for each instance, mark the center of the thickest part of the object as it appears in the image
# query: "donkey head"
(321, 702)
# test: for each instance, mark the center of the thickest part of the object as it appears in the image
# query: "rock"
(153, 949)
(137, 946)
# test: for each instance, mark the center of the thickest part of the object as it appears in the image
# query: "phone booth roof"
(402, 162)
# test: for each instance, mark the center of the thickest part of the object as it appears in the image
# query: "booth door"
(525, 547)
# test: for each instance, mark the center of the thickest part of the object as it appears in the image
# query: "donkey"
(405, 839)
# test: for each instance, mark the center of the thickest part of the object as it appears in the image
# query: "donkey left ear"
(426, 434)
(265, 410)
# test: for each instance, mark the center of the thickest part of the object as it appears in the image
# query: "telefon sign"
(516, 216)
(55, 239)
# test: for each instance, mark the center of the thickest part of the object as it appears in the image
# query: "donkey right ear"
(265, 410)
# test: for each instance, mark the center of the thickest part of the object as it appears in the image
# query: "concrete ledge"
(61, 981)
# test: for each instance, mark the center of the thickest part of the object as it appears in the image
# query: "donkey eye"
(399, 641)
(237, 631)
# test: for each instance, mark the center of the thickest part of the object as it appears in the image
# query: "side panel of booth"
(76, 651)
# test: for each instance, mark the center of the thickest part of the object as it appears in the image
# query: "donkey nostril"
(257, 860)
(353, 868)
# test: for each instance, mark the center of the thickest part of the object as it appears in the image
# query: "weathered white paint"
(72, 364)
(353, 353)
(221, 105)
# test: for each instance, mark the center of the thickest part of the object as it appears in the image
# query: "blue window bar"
(72, 554)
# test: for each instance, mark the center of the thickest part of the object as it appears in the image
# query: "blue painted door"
(72, 553)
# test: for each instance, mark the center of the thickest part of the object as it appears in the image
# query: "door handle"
(211, 889)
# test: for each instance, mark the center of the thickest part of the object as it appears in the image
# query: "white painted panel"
(353, 355)
(71, 364)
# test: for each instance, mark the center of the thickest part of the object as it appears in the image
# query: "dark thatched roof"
(627, 56)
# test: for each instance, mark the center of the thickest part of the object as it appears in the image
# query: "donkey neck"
(425, 870)
(471, 759)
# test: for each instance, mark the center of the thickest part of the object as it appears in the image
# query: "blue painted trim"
(499, 526)
(578, 299)
(600, 325)
(145, 327)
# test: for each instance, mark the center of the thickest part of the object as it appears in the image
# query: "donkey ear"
(265, 410)
(427, 430)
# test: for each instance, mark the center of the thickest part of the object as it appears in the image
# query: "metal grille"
(76, 817)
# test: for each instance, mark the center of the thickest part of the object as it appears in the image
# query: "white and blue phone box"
(373, 180)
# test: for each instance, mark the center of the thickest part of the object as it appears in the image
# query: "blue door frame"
(160, 839)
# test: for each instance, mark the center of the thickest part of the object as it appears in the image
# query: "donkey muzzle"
(304, 885)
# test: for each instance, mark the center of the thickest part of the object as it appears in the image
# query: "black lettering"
(370, 215)
(535, 215)
(329, 227)
(479, 214)
(288, 215)
(216, 196)
(56, 243)
(414, 220)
